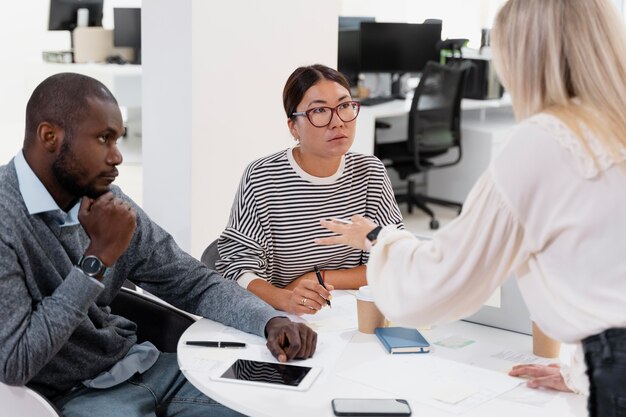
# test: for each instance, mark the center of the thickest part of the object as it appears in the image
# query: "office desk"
(485, 127)
(342, 350)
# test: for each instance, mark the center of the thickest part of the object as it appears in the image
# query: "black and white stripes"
(276, 213)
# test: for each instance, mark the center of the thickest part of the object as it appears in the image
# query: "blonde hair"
(568, 58)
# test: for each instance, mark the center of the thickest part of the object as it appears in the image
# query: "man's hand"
(288, 340)
(110, 223)
(541, 376)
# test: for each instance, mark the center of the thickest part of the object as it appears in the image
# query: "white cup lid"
(365, 293)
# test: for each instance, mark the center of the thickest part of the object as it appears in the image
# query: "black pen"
(207, 343)
(321, 281)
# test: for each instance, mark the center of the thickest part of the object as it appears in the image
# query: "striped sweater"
(276, 213)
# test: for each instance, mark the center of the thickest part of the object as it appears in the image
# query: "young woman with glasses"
(268, 244)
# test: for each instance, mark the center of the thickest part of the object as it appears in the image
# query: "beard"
(70, 173)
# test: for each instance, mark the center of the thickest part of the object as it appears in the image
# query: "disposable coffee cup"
(543, 345)
(369, 315)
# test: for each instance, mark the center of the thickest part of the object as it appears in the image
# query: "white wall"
(212, 85)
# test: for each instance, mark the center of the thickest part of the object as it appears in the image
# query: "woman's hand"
(308, 297)
(351, 234)
(541, 376)
(308, 276)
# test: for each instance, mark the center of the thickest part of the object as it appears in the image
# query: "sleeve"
(575, 374)
(33, 331)
(154, 262)
(427, 282)
(386, 210)
(243, 244)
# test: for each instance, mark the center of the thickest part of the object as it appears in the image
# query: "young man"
(69, 239)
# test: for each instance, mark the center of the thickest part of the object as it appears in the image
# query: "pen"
(321, 281)
(207, 343)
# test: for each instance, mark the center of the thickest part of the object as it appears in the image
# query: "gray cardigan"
(55, 324)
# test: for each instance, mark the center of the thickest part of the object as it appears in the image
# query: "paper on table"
(451, 393)
(432, 372)
(341, 317)
(523, 394)
(454, 342)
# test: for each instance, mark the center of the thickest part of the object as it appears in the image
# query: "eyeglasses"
(322, 116)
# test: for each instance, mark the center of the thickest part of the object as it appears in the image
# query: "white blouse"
(544, 210)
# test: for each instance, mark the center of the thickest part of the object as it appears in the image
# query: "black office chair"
(157, 322)
(434, 129)
(210, 255)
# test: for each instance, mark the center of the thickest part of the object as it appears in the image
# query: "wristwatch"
(371, 237)
(92, 266)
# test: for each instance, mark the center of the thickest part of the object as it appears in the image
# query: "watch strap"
(373, 234)
(371, 237)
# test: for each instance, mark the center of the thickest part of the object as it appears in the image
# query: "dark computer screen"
(348, 60)
(353, 22)
(127, 29)
(398, 47)
(63, 13)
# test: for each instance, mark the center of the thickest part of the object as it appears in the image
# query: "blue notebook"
(402, 340)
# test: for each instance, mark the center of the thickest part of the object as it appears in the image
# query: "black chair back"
(156, 322)
(435, 114)
(210, 255)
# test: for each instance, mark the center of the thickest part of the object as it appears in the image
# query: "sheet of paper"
(451, 393)
(341, 317)
(523, 394)
(454, 342)
(424, 378)
(483, 355)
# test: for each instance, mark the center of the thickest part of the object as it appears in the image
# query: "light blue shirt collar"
(37, 197)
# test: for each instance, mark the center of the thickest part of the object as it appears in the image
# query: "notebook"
(402, 340)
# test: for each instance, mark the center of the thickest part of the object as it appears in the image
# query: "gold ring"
(303, 301)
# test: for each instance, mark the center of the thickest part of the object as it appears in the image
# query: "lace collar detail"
(589, 166)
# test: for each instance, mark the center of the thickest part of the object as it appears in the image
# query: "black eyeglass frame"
(332, 110)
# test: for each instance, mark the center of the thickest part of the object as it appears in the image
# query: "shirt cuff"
(575, 375)
(246, 278)
(100, 284)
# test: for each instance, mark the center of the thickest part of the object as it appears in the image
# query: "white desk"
(485, 126)
(357, 349)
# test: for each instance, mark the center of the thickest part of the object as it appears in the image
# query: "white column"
(213, 74)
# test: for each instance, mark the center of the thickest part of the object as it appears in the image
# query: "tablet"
(267, 374)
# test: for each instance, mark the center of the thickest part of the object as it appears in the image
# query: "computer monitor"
(63, 13)
(348, 59)
(398, 47)
(353, 22)
(127, 30)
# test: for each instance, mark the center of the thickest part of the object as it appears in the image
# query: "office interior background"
(211, 80)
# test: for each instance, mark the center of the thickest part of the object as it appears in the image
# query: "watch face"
(91, 265)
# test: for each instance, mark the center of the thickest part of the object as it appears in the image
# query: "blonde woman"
(551, 208)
